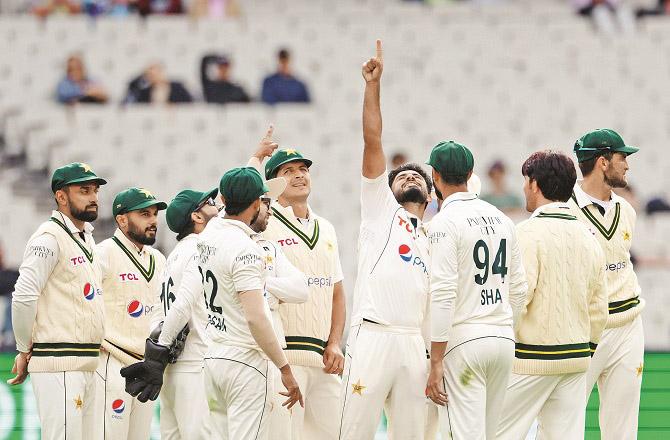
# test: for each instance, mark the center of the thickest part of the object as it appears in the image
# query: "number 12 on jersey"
(215, 319)
(481, 256)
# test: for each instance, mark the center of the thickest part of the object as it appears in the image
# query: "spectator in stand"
(215, 8)
(153, 87)
(219, 90)
(282, 86)
(507, 201)
(8, 279)
(50, 7)
(610, 17)
(78, 87)
(148, 7)
(662, 8)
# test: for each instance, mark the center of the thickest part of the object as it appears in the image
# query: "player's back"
(481, 269)
(230, 262)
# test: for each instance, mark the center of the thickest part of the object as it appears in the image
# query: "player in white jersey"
(131, 276)
(477, 284)
(184, 410)
(239, 323)
(386, 366)
(59, 345)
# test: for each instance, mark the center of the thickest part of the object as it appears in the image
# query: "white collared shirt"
(477, 276)
(231, 262)
(393, 267)
(585, 199)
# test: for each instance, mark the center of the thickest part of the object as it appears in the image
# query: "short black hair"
(413, 167)
(284, 54)
(554, 173)
(237, 208)
(587, 166)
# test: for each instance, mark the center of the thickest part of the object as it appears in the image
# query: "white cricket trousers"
(124, 416)
(476, 373)
(386, 370)
(555, 400)
(184, 410)
(617, 368)
(239, 389)
(320, 418)
(66, 404)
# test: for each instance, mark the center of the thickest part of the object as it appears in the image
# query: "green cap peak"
(451, 159)
(77, 172)
(281, 157)
(600, 141)
(133, 199)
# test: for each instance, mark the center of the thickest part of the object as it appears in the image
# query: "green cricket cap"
(281, 157)
(241, 186)
(76, 172)
(178, 214)
(133, 199)
(597, 142)
(451, 159)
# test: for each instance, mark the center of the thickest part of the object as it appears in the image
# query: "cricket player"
(184, 410)
(477, 285)
(565, 308)
(386, 365)
(618, 361)
(57, 311)
(132, 275)
(313, 330)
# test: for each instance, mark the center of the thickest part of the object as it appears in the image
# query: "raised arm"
(266, 148)
(374, 161)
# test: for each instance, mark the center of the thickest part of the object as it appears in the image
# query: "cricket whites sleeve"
(443, 278)
(39, 260)
(189, 293)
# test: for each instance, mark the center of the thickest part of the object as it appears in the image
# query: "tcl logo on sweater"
(76, 261)
(287, 242)
(125, 277)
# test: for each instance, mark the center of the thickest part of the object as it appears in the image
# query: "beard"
(614, 181)
(83, 214)
(255, 217)
(412, 195)
(140, 236)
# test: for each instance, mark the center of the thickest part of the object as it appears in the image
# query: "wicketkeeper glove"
(145, 379)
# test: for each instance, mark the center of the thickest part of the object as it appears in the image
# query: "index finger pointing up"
(268, 134)
(379, 49)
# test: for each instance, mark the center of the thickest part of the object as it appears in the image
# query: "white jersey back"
(476, 266)
(184, 258)
(393, 276)
(230, 262)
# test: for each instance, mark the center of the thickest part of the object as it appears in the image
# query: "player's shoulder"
(105, 245)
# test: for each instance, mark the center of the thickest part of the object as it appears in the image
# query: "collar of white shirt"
(459, 196)
(127, 243)
(550, 206)
(287, 211)
(88, 228)
(583, 199)
(238, 224)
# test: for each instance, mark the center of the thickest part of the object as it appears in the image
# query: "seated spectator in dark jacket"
(77, 87)
(153, 87)
(283, 86)
(219, 90)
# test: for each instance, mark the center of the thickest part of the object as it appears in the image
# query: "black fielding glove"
(145, 379)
